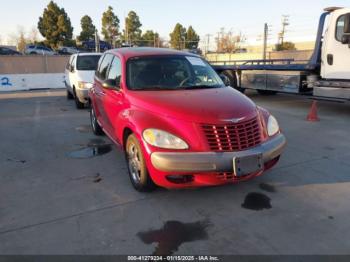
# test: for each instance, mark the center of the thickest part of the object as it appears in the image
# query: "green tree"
(150, 38)
(110, 25)
(192, 39)
(178, 37)
(132, 32)
(87, 29)
(285, 46)
(55, 25)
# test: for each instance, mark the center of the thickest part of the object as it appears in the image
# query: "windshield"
(171, 73)
(87, 63)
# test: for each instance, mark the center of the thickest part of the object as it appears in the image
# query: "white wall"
(18, 82)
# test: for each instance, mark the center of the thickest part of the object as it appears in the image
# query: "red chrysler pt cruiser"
(179, 125)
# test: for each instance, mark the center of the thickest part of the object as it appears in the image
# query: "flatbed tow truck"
(326, 75)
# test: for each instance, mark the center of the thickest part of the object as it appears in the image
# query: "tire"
(33, 53)
(69, 95)
(266, 92)
(96, 128)
(230, 79)
(78, 104)
(138, 173)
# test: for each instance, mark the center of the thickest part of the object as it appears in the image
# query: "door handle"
(330, 59)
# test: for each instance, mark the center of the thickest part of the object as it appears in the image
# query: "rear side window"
(102, 71)
(115, 70)
(73, 63)
(87, 63)
(339, 31)
(69, 62)
(99, 64)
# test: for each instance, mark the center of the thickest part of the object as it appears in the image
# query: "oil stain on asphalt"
(16, 160)
(96, 147)
(97, 178)
(257, 202)
(173, 235)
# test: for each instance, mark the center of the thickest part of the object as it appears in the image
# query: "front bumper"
(82, 94)
(212, 162)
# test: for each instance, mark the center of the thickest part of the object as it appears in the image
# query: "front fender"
(138, 120)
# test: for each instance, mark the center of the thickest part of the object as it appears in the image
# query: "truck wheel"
(96, 128)
(78, 104)
(138, 172)
(230, 79)
(69, 95)
(266, 92)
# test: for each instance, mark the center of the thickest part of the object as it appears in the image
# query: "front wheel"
(78, 104)
(69, 95)
(138, 172)
(96, 128)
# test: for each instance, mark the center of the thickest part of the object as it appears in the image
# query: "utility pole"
(266, 35)
(285, 23)
(97, 42)
(126, 32)
(208, 43)
(218, 48)
(221, 35)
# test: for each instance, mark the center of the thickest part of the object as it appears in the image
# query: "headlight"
(85, 85)
(162, 139)
(272, 126)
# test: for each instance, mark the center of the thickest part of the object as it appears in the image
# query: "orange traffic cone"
(313, 117)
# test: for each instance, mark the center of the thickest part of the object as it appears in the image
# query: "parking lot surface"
(64, 191)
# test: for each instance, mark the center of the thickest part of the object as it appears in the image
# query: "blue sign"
(5, 81)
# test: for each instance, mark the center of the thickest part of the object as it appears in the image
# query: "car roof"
(129, 52)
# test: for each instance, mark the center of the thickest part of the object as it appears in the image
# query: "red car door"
(114, 99)
(99, 91)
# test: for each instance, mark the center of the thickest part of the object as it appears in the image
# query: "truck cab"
(335, 63)
(326, 74)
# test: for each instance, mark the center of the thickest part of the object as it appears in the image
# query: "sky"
(206, 16)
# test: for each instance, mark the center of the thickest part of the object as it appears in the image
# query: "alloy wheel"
(134, 162)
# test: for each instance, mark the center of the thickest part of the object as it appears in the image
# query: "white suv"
(79, 76)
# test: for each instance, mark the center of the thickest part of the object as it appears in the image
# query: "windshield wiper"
(162, 88)
(153, 88)
(198, 87)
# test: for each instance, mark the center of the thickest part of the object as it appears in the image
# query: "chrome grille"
(233, 137)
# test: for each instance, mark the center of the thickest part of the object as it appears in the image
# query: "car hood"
(211, 106)
(86, 76)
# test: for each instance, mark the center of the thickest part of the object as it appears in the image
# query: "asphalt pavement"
(64, 191)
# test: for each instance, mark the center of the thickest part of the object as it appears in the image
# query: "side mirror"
(346, 36)
(225, 79)
(347, 24)
(345, 39)
(111, 84)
